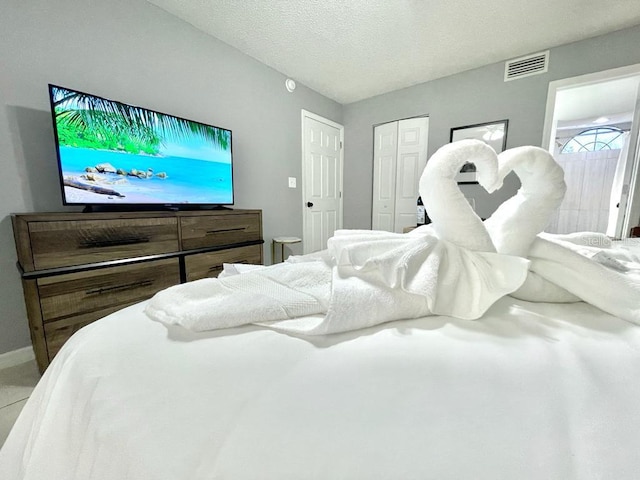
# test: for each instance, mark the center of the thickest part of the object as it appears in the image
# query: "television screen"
(111, 153)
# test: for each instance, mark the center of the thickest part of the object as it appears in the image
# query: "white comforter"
(528, 391)
(531, 391)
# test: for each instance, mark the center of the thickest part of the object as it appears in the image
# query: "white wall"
(130, 50)
(471, 97)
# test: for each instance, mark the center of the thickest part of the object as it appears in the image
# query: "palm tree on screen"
(110, 122)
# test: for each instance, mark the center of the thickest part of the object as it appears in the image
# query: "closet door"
(412, 158)
(385, 158)
(400, 155)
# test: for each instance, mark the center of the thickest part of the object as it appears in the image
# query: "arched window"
(593, 139)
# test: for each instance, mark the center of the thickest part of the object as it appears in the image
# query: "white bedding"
(527, 391)
(530, 391)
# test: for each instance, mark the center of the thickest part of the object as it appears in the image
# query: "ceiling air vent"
(526, 66)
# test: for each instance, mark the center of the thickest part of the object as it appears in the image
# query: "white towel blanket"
(364, 279)
(588, 267)
(248, 296)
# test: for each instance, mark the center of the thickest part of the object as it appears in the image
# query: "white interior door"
(385, 159)
(400, 155)
(322, 180)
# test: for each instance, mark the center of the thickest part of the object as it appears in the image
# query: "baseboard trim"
(16, 357)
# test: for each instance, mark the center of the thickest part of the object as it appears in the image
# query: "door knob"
(309, 204)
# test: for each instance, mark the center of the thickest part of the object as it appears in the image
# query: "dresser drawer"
(213, 230)
(58, 332)
(204, 265)
(65, 243)
(78, 293)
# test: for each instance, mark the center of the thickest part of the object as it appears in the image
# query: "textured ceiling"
(349, 50)
(615, 99)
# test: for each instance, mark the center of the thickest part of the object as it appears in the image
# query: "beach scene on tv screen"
(113, 153)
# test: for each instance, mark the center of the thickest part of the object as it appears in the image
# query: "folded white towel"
(455, 281)
(381, 277)
(229, 269)
(606, 278)
(374, 277)
(538, 289)
(270, 293)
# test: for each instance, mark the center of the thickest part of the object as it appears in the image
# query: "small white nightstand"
(282, 241)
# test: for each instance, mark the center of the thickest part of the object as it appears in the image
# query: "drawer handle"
(117, 288)
(224, 230)
(113, 243)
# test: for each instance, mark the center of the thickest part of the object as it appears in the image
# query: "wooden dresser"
(79, 267)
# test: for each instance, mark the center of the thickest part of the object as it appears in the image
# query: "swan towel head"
(514, 225)
(453, 218)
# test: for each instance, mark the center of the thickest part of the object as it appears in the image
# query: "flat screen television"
(114, 154)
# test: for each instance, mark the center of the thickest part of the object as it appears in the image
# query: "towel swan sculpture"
(453, 218)
(451, 267)
(563, 268)
(515, 224)
(366, 278)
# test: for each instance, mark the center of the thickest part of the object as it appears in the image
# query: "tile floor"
(16, 384)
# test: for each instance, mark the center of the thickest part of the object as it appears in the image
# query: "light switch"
(292, 182)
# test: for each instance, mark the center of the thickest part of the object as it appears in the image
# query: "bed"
(527, 390)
